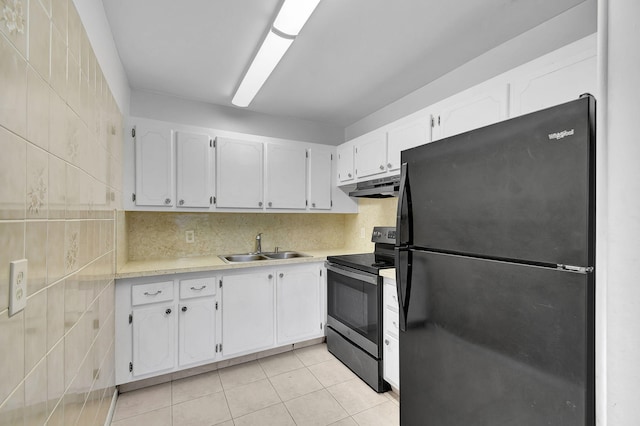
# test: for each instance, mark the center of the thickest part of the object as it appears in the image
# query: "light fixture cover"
(272, 49)
(293, 15)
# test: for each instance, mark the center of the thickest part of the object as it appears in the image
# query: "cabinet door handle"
(270, 276)
(181, 202)
(168, 311)
(260, 204)
(349, 174)
(270, 203)
(313, 204)
(167, 200)
(146, 293)
(199, 288)
(381, 167)
(386, 341)
(281, 275)
(184, 309)
(389, 165)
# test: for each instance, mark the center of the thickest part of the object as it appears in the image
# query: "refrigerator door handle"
(404, 222)
(403, 284)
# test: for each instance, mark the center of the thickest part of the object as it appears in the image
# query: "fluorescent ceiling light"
(291, 18)
(270, 53)
(293, 15)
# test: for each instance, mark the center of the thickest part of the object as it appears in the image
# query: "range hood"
(377, 188)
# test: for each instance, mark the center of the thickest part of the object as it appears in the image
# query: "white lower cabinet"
(197, 321)
(200, 318)
(153, 339)
(391, 332)
(299, 304)
(247, 313)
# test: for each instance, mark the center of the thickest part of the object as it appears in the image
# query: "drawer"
(142, 294)
(197, 287)
(391, 323)
(390, 296)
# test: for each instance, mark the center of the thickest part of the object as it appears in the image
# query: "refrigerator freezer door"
(496, 343)
(522, 189)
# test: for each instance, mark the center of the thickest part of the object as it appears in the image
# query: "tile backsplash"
(60, 174)
(153, 235)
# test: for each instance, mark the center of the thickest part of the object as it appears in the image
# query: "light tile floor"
(307, 386)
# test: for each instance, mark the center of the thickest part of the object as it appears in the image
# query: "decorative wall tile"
(13, 90)
(35, 395)
(55, 251)
(71, 246)
(39, 39)
(37, 109)
(11, 348)
(37, 196)
(14, 24)
(57, 187)
(12, 175)
(36, 252)
(55, 313)
(35, 345)
(59, 60)
(58, 122)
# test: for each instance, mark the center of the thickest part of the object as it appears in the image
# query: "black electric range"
(382, 257)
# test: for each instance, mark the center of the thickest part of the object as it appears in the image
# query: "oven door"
(354, 306)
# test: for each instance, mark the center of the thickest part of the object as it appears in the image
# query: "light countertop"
(389, 273)
(146, 268)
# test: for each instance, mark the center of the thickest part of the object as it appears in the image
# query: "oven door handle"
(368, 278)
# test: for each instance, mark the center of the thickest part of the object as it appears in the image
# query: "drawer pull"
(386, 341)
(168, 311)
(146, 293)
(184, 309)
(199, 289)
(395, 324)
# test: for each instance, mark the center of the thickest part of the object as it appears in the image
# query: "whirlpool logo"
(561, 135)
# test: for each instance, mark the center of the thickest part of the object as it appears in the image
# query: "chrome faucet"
(259, 243)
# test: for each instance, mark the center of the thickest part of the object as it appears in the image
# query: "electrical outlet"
(17, 286)
(189, 236)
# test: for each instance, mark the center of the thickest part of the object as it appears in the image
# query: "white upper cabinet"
(554, 84)
(239, 173)
(345, 163)
(478, 107)
(320, 172)
(194, 178)
(286, 173)
(409, 135)
(371, 154)
(154, 166)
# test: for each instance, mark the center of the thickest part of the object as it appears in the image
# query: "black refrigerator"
(495, 272)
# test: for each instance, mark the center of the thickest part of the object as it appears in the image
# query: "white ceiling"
(352, 57)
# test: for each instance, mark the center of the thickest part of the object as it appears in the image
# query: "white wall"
(202, 114)
(620, 371)
(572, 25)
(99, 33)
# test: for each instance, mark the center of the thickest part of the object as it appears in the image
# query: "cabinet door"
(197, 330)
(371, 155)
(286, 176)
(239, 173)
(194, 177)
(345, 162)
(298, 304)
(473, 109)
(320, 162)
(154, 339)
(391, 361)
(247, 313)
(407, 136)
(155, 173)
(561, 82)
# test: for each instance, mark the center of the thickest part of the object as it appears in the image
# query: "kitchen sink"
(252, 257)
(233, 258)
(284, 255)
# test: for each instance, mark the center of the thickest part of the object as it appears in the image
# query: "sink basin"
(284, 255)
(243, 257)
(252, 257)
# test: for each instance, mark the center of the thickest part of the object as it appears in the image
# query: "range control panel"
(384, 234)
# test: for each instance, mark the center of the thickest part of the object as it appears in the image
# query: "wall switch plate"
(189, 236)
(17, 286)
